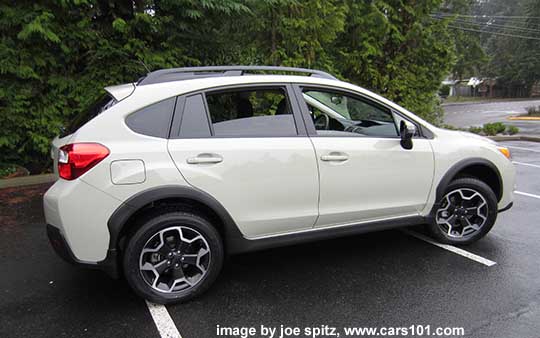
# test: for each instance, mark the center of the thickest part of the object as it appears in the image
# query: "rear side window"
(96, 108)
(154, 120)
(251, 112)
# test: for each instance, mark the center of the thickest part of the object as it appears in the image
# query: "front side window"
(335, 113)
(251, 112)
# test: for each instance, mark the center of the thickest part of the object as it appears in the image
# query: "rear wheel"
(466, 212)
(173, 256)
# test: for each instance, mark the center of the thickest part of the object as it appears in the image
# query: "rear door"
(247, 148)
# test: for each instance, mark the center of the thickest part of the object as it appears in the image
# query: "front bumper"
(61, 247)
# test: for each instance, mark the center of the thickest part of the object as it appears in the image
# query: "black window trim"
(301, 130)
(310, 127)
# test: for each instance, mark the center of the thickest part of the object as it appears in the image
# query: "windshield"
(99, 106)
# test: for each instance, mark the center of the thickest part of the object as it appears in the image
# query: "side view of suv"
(164, 177)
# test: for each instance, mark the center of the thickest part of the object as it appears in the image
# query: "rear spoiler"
(122, 91)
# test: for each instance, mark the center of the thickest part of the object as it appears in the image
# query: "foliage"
(58, 55)
(512, 130)
(490, 129)
(493, 129)
(444, 91)
(6, 169)
(476, 130)
(405, 58)
(470, 57)
(514, 61)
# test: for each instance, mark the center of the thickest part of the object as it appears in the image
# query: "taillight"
(77, 158)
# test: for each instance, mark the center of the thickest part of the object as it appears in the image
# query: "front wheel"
(466, 212)
(173, 256)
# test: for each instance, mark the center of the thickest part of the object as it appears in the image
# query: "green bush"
(493, 129)
(476, 130)
(450, 127)
(512, 130)
(7, 169)
(444, 91)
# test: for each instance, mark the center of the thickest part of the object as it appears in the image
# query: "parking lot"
(386, 279)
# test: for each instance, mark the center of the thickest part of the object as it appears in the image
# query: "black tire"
(151, 224)
(491, 200)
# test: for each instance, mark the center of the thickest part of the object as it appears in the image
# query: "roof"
(179, 74)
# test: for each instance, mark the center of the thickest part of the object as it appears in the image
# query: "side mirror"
(406, 131)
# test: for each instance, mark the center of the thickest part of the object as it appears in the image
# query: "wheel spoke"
(178, 273)
(161, 266)
(190, 259)
(473, 211)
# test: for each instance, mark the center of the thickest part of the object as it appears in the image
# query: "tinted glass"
(153, 120)
(252, 112)
(96, 108)
(336, 113)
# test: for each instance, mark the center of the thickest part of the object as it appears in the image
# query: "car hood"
(475, 137)
(463, 134)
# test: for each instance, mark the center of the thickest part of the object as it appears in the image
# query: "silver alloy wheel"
(463, 213)
(174, 259)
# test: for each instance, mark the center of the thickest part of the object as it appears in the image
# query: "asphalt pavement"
(385, 279)
(464, 115)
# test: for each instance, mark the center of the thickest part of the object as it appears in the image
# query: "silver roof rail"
(178, 74)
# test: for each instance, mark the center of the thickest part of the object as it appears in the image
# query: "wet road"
(380, 279)
(476, 114)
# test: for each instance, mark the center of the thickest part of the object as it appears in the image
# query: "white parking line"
(521, 148)
(163, 321)
(451, 248)
(526, 194)
(526, 164)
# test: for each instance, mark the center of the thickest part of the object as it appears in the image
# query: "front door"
(365, 174)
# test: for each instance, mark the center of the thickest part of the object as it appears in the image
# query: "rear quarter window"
(154, 120)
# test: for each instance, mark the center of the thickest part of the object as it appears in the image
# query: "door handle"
(205, 158)
(335, 157)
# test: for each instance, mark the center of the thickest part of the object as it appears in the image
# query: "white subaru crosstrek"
(164, 177)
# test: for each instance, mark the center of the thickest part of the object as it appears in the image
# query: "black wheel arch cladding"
(136, 203)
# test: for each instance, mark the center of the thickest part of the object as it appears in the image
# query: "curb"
(515, 138)
(489, 101)
(26, 180)
(523, 118)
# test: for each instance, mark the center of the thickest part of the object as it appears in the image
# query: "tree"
(56, 56)
(404, 59)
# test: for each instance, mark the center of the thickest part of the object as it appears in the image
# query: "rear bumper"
(61, 247)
